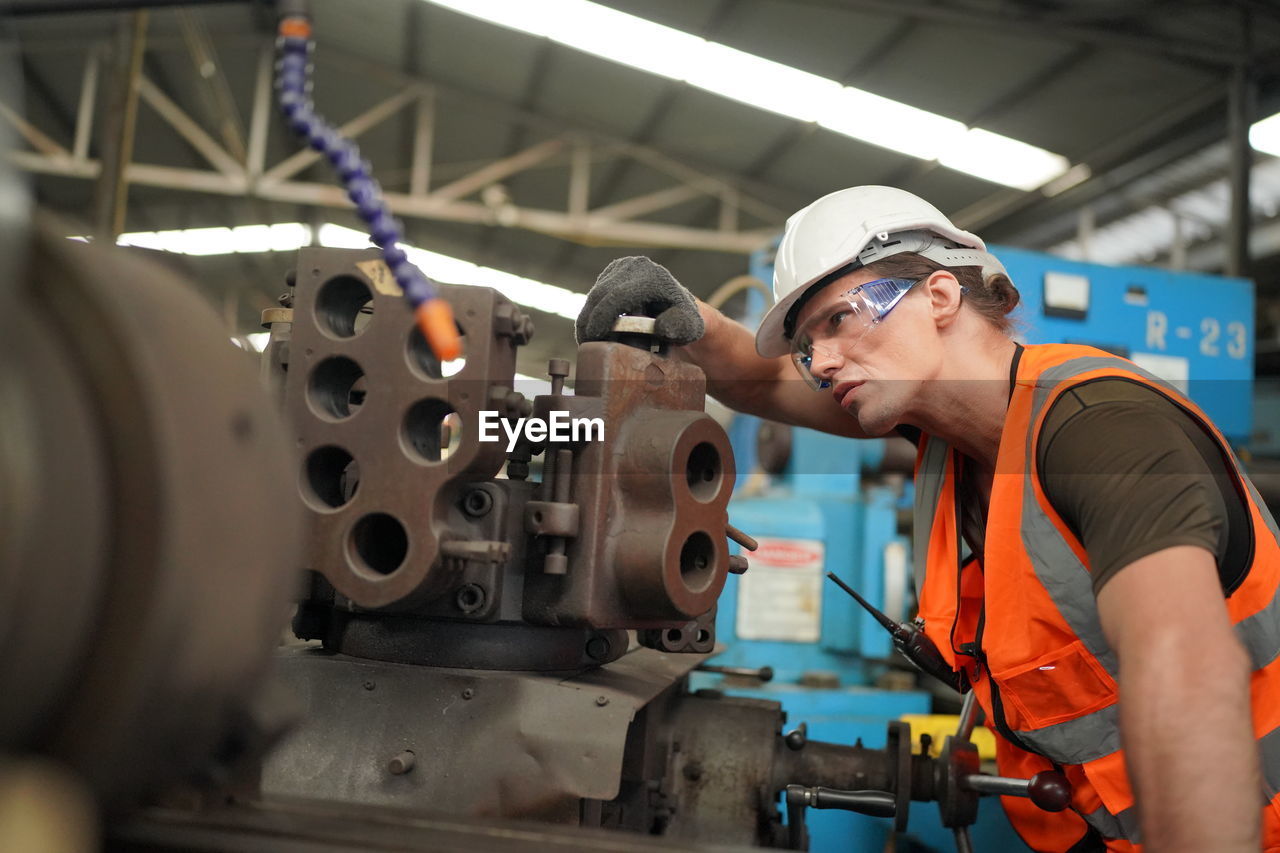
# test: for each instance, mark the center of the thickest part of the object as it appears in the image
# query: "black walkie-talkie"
(913, 643)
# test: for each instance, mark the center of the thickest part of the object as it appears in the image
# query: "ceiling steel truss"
(469, 198)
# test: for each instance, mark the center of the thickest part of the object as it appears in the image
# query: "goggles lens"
(836, 329)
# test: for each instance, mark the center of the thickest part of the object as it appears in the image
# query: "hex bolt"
(401, 764)
(477, 503)
(470, 598)
(369, 685)
(598, 648)
(467, 693)
(558, 370)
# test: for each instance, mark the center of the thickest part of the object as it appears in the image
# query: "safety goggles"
(840, 326)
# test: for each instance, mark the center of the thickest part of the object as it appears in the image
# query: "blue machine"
(1194, 330)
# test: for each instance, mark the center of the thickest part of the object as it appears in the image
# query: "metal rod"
(741, 538)
(1240, 106)
(84, 112)
(423, 142)
(260, 119)
(968, 716)
(580, 178)
(1000, 785)
(189, 130)
(20, 8)
(119, 123)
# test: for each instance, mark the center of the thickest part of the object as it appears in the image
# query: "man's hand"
(637, 285)
(1184, 704)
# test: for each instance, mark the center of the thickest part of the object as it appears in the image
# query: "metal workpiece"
(655, 490)
(157, 515)
(498, 744)
(388, 442)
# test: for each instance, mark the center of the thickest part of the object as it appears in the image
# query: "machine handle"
(1048, 789)
(874, 803)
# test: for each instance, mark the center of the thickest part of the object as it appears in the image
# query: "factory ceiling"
(522, 153)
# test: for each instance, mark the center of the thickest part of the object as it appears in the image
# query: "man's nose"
(825, 361)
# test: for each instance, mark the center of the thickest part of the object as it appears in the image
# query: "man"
(1118, 615)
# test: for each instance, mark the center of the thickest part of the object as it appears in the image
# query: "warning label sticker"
(780, 596)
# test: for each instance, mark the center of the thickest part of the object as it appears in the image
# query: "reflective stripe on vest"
(1123, 825)
(929, 477)
(1269, 747)
(1068, 585)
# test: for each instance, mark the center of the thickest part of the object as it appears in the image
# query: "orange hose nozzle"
(435, 319)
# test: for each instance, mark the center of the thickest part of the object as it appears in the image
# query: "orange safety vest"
(1023, 624)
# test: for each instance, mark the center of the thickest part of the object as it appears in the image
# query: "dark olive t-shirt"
(1131, 473)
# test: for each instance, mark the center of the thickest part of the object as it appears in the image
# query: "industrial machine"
(479, 646)
(487, 647)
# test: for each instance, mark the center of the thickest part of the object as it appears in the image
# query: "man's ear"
(944, 297)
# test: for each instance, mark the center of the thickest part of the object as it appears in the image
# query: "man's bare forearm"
(1184, 707)
(769, 387)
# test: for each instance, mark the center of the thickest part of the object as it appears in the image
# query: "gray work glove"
(638, 286)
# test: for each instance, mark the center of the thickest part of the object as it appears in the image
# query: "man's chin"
(874, 424)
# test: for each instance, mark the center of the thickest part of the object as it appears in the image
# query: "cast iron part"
(421, 553)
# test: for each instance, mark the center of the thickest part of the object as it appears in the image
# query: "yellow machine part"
(939, 726)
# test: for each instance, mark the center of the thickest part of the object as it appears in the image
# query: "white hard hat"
(854, 227)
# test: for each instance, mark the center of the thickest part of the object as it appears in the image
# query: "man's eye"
(836, 319)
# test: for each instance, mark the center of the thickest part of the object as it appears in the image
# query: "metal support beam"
(591, 229)
(119, 122)
(260, 120)
(424, 130)
(580, 178)
(215, 89)
(1240, 111)
(497, 170)
(35, 137)
(84, 111)
(647, 203)
(371, 117)
(1203, 54)
(187, 128)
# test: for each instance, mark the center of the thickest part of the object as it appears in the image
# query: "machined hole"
(703, 471)
(378, 543)
(432, 430)
(344, 306)
(698, 561)
(336, 390)
(332, 476)
(424, 363)
(674, 636)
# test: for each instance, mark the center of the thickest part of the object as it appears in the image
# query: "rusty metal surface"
(194, 557)
(290, 826)
(503, 744)
(653, 497)
(380, 546)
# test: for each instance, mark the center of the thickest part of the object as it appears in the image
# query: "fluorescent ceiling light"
(1003, 160)
(1265, 135)
(290, 236)
(769, 85)
(523, 291)
(285, 237)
